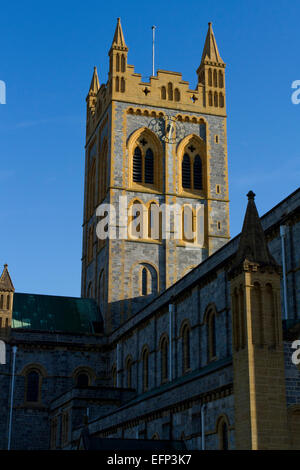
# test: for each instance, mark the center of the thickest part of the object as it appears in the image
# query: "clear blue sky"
(48, 50)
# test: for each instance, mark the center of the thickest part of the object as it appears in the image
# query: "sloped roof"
(118, 39)
(53, 313)
(253, 245)
(5, 281)
(210, 50)
(94, 86)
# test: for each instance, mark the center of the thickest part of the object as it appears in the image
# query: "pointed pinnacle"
(210, 50)
(94, 87)
(5, 280)
(253, 245)
(119, 36)
(118, 40)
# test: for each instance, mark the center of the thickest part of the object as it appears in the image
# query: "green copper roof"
(52, 313)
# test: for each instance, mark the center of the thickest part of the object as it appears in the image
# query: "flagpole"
(153, 49)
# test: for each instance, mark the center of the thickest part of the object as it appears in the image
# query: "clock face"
(168, 129)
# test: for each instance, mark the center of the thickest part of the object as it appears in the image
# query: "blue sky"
(48, 51)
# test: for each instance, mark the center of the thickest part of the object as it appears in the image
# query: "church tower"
(258, 357)
(157, 152)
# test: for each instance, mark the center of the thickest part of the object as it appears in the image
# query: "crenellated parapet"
(166, 88)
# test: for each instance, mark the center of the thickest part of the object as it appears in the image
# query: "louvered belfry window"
(137, 165)
(192, 169)
(197, 173)
(143, 164)
(186, 171)
(149, 167)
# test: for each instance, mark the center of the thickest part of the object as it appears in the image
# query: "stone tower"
(6, 302)
(258, 358)
(155, 144)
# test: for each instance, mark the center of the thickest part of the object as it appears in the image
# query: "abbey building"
(181, 335)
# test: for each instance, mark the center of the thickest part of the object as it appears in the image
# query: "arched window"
(223, 434)
(154, 222)
(187, 223)
(8, 302)
(149, 167)
(239, 316)
(176, 94)
(186, 171)
(144, 281)
(242, 318)
(145, 148)
(216, 101)
(170, 91)
(1, 302)
(117, 63)
(210, 98)
(192, 165)
(91, 186)
(103, 178)
(164, 348)
(211, 335)
(236, 320)
(209, 77)
(117, 84)
(82, 380)
(123, 63)
(122, 84)
(163, 93)
(221, 100)
(145, 362)
(215, 78)
(198, 172)
(185, 348)
(270, 317)
(136, 220)
(102, 171)
(33, 386)
(137, 165)
(129, 372)
(221, 81)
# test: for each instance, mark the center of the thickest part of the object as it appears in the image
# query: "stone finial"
(251, 195)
